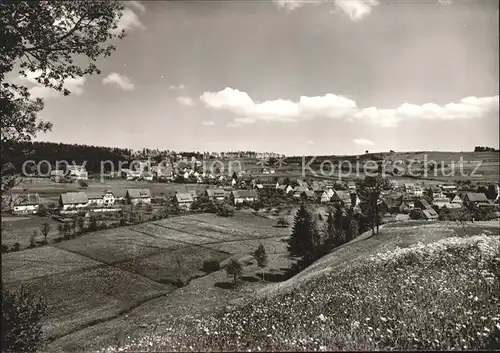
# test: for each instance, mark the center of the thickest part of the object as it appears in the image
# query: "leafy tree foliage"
(369, 191)
(45, 229)
(22, 315)
(261, 257)
(43, 40)
(234, 269)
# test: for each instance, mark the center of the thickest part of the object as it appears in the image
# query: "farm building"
(73, 201)
(136, 196)
(78, 172)
(183, 200)
(99, 199)
(26, 204)
(342, 198)
(448, 188)
(216, 194)
(423, 204)
(418, 190)
(309, 194)
(474, 197)
(430, 214)
(240, 196)
(440, 201)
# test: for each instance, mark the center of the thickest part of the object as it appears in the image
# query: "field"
(19, 229)
(104, 275)
(417, 286)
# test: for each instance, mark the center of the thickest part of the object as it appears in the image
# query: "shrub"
(42, 211)
(22, 314)
(16, 246)
(5, 248)
(225, 210)
(58, 240)
(234, 269)
(211, 265)
(282, 222)
(83, 184)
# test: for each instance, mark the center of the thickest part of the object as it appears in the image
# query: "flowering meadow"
(438, 296)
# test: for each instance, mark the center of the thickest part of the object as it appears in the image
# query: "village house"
(101, 199)
(409, 201)
(423, 204)
(300, 189)
(240, 196)
(475, 198)
(288, 189)
(326, 196)
(457, 200)
(418, 190)
(393, 202)
(77, 172)
(56, 175)
(216, 194)
(441, 201)
(136, 196)
(351, 185)
(309, 195)
(342, 198)
(73, 201)
(301, 182)
(448, 188)
(430, 214)
(183, 200)
(409, 188)
(26, 204)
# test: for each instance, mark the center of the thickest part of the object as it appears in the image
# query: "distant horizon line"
(497, 149)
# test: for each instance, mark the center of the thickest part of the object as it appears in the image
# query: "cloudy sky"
(326, 77)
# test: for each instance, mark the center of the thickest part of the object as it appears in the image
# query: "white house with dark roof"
(240, 196)
(136, 196)
(183, 200)
(217, 194)
(101, 199)
(73, 201)
(26, 204)
(78, 172)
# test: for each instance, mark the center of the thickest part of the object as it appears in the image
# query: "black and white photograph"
(250, 175)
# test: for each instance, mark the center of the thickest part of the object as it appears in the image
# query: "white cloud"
(310, 142)
(177, 87)
(355, 9)
(137, 5)
(295, 4)
(208, 123)
(445, 2)
(185, 101)
(363, 142)
(37, 90)
(338, 107)
(119, 80)
(129, 21)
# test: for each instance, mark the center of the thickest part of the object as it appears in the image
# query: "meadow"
(415, 286)
(104, 275)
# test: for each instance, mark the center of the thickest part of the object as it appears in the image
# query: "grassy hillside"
(414, 286)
